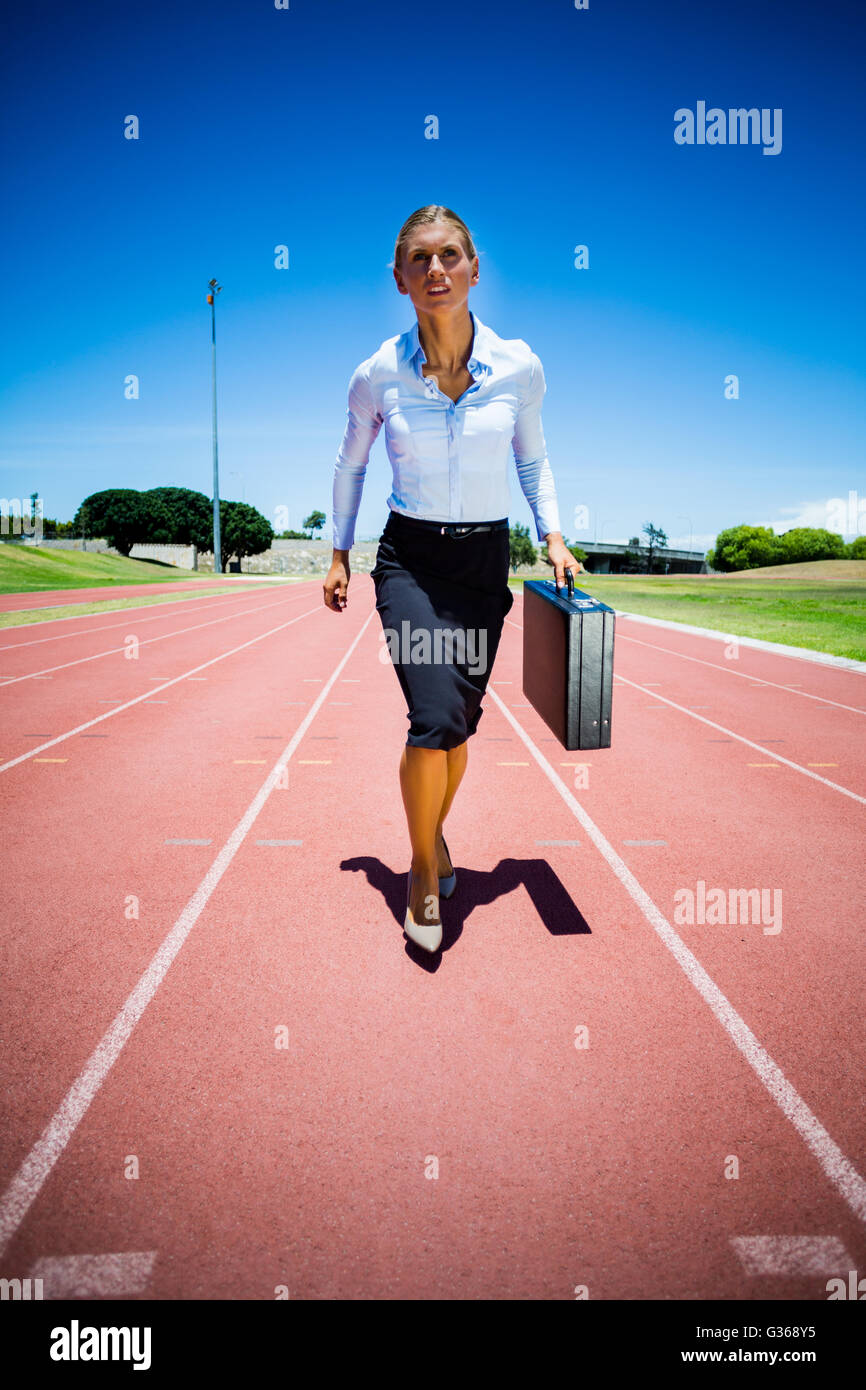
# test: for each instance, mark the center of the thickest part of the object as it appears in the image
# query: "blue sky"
(305, 127)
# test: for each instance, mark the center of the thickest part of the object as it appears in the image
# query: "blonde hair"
(433, 212)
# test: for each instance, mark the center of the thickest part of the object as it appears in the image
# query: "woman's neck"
(447, 342)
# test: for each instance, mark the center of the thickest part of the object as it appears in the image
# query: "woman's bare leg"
(423, 782)
(457, 759)
(429, 778)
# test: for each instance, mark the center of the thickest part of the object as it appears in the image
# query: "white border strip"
(794, 1256)
(95, 1276)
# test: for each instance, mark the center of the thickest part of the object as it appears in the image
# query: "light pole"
(691, 529)
(217, 547)
(608, 522)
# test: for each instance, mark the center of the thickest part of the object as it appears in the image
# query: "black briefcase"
(568, 661)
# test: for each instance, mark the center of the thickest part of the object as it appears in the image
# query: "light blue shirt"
(449, 459)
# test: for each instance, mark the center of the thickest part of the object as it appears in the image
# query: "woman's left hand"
(562, 559)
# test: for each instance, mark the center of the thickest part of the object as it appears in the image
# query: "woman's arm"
(362, 426)
(536, 475)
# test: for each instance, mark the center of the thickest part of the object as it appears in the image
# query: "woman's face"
(436, 256)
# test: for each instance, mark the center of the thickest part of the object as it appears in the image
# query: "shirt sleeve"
(362, 426)
(530, 455)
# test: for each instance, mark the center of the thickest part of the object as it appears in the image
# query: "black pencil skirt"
(442, 600)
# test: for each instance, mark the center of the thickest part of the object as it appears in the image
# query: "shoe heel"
(425, 934)
(448, 882)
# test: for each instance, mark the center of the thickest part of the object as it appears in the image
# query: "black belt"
(456, 530)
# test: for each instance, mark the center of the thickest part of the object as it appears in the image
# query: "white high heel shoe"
(426, 934)
(448, 883)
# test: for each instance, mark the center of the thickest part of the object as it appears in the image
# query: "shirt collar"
(479, 356)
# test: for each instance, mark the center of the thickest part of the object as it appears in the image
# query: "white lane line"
(759, 747)
(833, 1163)
(145, 642)
(792, 1255)
(684, 709)
(106, 627)
(743, 675)
(841, 663)
(118, 709)
(34, 1170)
(728, 670)
(94, 1276)
(189, 595)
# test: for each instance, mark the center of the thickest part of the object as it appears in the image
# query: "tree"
(315, 521)
(632, 557)
(856, 549)
(809, 543)
(744, 548)
(124, 517)
(521, 550)
(190, 515)
(243, 531)
(655, 537)
(52, 529)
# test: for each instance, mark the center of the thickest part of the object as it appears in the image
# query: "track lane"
(55, 598)
(386, 1188)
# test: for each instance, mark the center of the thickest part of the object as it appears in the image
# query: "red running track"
(56, 598)
(223, 1061)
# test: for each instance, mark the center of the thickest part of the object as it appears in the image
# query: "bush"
(810, 543)
(745, 548)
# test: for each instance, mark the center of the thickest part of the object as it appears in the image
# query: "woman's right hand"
(336, 586)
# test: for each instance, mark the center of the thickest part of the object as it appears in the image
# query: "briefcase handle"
(569, 579)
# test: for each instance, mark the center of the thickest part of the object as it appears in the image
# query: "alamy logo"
(21, 516)
(76, 1343)
(468, 647)
(738, 126)
(20, 1289)
(714, 907)
(855, 1289)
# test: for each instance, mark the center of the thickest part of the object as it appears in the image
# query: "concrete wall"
(183, 556)
(64, 543)
(284, 557)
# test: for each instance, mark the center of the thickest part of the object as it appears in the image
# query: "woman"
(453, 396)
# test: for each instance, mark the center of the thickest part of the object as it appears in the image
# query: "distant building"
(605, 557)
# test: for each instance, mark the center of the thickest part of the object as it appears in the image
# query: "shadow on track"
(555, 908)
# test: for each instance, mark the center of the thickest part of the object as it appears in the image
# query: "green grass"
(822, 614)
(30, 569)
(25, 569)
(75, 610)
